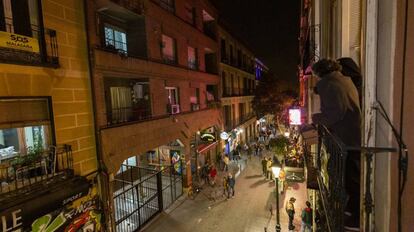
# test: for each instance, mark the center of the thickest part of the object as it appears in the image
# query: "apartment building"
(47, 144)
(238, 82)
(154, 70)
(379, 36)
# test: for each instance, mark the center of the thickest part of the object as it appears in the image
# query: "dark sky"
(270, 28)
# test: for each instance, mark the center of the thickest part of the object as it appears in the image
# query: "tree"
(279, 145)
(273, 96)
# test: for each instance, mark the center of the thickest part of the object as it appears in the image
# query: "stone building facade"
(238, 83)
(47, 141)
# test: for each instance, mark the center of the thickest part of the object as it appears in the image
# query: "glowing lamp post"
(276, 170)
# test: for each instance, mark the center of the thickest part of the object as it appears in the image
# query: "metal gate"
(141, 193)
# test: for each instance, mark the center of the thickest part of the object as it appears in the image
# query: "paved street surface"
(249, 211)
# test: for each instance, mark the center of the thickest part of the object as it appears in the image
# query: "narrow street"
(249, 211)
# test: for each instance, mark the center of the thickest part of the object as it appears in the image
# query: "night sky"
(270, 28)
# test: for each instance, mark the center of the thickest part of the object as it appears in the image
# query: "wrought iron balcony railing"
(329, 167)
(24, 172)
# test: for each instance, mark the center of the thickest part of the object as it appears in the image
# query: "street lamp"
(276, 170)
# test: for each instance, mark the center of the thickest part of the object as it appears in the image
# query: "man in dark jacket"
(341, 114)
(290, 210)
(231, 181)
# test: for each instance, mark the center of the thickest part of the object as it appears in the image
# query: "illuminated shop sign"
(224, 135)
(208, 135)
(295, 117)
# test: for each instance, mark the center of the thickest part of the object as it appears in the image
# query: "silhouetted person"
(341, 114)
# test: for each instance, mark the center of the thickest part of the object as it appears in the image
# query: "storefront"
(71, 205)
(204, 148)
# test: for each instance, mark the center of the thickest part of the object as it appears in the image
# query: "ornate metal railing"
(24, 172)
(331, 159)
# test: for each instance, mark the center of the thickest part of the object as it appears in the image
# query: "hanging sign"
(224, 135)
(295, 117)
(19, 42)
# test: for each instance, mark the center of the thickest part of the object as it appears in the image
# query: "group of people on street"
(306, 215)
(209, 173)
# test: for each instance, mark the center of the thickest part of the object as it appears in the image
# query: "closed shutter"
(24, 112)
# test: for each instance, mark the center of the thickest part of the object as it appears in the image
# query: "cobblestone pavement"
(249, 211)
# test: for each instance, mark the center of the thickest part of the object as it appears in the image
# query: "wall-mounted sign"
(295, 117)
(208, 135)
(19, 42)
(224, 135)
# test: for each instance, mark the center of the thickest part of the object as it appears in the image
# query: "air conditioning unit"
(175, 109)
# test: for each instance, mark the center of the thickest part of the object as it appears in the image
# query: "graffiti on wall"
(82, 217)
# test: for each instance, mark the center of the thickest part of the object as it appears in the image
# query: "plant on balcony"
(34, 153)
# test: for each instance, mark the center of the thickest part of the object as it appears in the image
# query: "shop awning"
(206, 146)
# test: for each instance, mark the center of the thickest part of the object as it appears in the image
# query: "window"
(26, 125)
(173, 106)
(192, 58)
(190, 14)
(168, 50)
(128, 100)
(121, 104)
(172, 94)
(115, 38)
(19, 17)
(167, 4)
(223, 51)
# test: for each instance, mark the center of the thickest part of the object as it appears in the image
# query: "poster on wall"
(176, 161)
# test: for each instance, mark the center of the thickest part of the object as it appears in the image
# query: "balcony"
(169, 59)
(39, 50)
(26, 172)
(128, 114)
(235, 92)
(231, 61)
(195, 107)
(135, 6)
(326, 173)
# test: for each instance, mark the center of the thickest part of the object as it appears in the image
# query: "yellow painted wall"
(69, 85)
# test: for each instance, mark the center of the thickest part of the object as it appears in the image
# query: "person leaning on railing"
(341, 114)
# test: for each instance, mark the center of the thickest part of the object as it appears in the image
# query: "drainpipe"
(103, 180)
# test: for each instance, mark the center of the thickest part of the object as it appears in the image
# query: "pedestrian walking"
(213, 174)
(225, 186)
(205, 170)
(226, 162)
(231, 183)
(307, 218)
(269, 169)
(290, 210)
(264, 166)
(282, 181)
